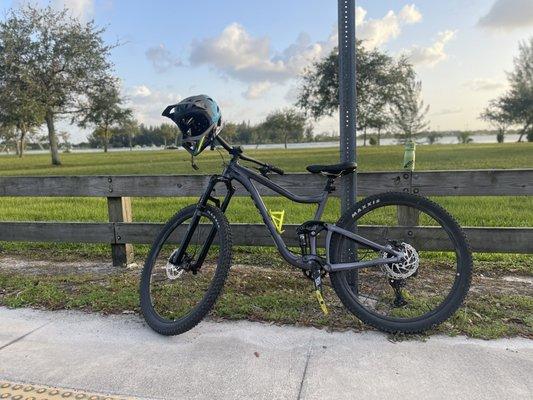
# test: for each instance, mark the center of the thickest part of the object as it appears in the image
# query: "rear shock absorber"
(302, 237)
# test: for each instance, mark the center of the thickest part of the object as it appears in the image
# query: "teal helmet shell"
(199, 119)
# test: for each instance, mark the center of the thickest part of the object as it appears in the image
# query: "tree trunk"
(286, 138)
(106, 140)
(52, 138)
(379, 136)
(364, 136)
(524, 131)
(130, 140)
(22, 140)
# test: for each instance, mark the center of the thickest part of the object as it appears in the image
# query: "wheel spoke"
(177, 293)
(424, 279)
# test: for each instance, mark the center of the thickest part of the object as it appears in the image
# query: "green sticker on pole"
(409, 155)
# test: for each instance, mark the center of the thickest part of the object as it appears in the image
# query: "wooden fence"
(122, 233)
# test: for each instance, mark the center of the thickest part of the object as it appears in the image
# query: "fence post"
(119, 209)
(408, 216)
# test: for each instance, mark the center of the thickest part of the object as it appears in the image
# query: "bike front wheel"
(409, 296)
(178, 289)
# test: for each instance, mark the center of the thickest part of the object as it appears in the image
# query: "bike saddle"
(333, 169)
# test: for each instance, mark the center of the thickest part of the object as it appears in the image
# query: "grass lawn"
(378, 158)
(274, 293)
(469, 211)
(494, 307)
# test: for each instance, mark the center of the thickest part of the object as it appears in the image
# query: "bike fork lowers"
(176, 259)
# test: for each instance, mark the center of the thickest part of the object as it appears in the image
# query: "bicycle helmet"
(199, 120)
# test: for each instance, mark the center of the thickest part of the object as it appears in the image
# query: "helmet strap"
(193, 164)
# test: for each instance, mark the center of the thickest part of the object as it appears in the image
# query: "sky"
(248, 55)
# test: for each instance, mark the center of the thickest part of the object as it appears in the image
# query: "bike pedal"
(321, 302)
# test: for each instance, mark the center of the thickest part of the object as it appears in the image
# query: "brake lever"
(263, 170)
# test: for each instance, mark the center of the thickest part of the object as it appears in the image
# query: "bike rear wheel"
(410, 296)
(176, 296)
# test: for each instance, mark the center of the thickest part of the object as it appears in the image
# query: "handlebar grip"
(276, 170)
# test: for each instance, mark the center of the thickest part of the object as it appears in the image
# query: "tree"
(515, 107)
(131, 129)
(287, 124)
(245, 133)
(19, 107)
(433, 137)
(18, 110)
(7, 137)
(379, 79)
(104, 110)
(408, 112)
(58, 57)
(170, 134)
(464, 137)
(498, 117)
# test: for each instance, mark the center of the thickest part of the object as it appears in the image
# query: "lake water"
(384, 141)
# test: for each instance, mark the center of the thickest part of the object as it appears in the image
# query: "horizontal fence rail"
(510, 182)
(497, 240)
(121, 233)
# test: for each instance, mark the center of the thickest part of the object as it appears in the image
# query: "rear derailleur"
(397, 285)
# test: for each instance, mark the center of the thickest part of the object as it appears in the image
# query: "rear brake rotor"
(405, 268)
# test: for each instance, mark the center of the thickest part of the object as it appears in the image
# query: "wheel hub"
(173, 272)
(405, 268)
(176, 271)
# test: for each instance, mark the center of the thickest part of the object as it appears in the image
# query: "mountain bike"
(397, 261)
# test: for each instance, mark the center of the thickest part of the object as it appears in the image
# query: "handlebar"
(277, 170)
(238, 152)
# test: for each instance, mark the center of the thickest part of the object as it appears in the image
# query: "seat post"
(327, 190)
(330, 187)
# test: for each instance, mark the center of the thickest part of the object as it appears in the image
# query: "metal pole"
(347, 97)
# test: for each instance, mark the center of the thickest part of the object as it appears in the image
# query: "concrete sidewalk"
(119, 355)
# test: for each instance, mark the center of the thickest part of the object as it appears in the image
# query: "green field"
(382, 158)
(274, 293)
(470, 211)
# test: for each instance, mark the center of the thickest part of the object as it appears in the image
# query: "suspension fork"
(196, 218)
(177, 256)
(212, 233)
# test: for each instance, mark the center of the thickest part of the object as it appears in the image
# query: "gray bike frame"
(245, 176)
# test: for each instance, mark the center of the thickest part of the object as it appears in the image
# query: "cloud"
(508, 15)
(238, 55)
(448, 111)
(148, 103)
(410, 15)
(376, 32)
(483, 84)
(82, 9)
(162, 59)
(433, 54)
(140, 91)
(256, 90)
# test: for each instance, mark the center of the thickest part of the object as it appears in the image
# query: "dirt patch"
(508, 285)
(481, 283)
(42, 267)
